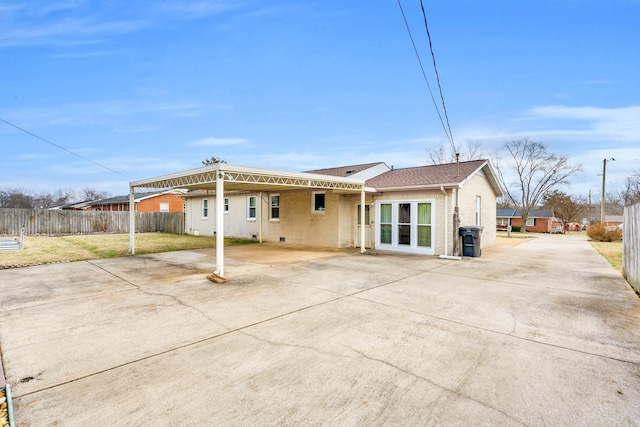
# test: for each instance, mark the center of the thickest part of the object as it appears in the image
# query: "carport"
(223, 177)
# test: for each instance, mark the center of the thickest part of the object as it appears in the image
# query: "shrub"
(600, 233)
(515, 228)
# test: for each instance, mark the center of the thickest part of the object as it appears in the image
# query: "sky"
(135, 89)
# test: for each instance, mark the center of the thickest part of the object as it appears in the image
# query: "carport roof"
(243, 178)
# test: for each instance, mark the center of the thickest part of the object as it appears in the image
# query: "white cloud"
(614, 124)
(203, 7)
(67, 32)
(217, 142)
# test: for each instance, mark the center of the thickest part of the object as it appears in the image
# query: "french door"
(405, 225)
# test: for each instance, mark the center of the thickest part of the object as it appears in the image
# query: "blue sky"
(148, 88)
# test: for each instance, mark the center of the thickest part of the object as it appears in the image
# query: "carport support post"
(362, 217)
(132, 221)
(219, 223)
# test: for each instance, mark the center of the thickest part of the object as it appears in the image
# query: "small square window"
(319, 201)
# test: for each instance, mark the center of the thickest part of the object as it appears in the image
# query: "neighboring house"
(613, 221)
(157, 201)
(76, 206)
(407, 209)
(540, 220)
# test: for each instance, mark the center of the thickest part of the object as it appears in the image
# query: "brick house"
(540, 220)
(157, 201)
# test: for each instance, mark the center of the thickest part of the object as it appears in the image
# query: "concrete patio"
(544, 332)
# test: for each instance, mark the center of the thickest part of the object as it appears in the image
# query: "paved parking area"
(541, 333)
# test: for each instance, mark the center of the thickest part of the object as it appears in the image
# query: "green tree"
(564, 207)
(213, 160)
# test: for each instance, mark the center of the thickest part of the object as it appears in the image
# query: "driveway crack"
(184, 304)
(455, 391)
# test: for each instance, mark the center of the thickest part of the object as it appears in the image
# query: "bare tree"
(90, 193)
(16, 198)
(56, 198)
(631, 192)
(439, 153)
(534, 173)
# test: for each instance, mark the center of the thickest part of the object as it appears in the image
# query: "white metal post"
(132, 221)
(220, 223)
(362, 218)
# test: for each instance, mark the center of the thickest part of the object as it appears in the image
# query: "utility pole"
(604, 177)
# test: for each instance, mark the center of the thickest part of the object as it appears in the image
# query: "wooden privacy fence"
(56, 222)
(631, 245)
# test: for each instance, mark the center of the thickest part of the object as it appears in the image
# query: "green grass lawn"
(48, 249)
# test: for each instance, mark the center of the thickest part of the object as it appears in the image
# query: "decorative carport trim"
(223, 177)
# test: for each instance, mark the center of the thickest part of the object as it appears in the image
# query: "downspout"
(132, 221)
(219, 224)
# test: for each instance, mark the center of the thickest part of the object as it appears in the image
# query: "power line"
(447, 127)
(62, 148)
(435, 68)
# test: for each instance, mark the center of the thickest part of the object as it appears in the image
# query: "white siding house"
(407, 209)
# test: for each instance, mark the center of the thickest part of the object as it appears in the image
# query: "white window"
(502, 221)
(318, 201)
(164, 207)
(251, 208)
(205, 208)
(274, 211)
(226, 205)
(386, 222)
(531, 222)
(478, 211)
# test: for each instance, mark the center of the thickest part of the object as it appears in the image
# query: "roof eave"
(418, 187)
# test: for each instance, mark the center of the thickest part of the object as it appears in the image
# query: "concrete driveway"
(541, 333)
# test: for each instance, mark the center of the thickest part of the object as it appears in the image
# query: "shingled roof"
(344, 171)
(426, 176)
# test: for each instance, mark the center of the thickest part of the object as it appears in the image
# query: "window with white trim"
(318, 201)
(385, 223)
(274, 211)
(502, 221)
(164, 207)
(531, 222)
(251, 208)
(205, 208)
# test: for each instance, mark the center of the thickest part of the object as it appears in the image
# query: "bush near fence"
(631, 245)
(61, 222)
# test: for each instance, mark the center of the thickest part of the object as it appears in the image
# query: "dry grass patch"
(511, 241)
(48, 249)
(612, 251)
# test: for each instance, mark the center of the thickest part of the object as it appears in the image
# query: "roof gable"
(427, 176)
